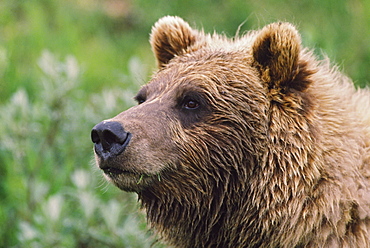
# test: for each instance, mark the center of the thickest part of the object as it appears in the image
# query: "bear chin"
(130, 181)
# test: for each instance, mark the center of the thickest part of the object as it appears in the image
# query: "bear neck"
(203, 208)
(208, 216)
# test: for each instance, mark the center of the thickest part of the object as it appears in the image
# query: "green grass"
(67, 65)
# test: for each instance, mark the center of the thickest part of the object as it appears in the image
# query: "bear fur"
(247, 142)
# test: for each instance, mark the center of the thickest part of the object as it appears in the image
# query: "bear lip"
(111, 171)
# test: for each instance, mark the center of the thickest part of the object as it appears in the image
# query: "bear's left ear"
(276, 52)
(171, 36)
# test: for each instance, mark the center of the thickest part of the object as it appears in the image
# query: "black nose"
(110, 139)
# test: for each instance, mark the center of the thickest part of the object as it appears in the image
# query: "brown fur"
(276, 154)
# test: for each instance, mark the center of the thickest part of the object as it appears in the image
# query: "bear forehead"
(207, 61)
(209, 70)
(219, 49)
(179, 80)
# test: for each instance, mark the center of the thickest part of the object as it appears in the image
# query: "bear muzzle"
(110, 140)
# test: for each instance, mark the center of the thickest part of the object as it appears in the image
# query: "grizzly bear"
(243, 142)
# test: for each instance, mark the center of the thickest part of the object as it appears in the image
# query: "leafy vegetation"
(66, 65)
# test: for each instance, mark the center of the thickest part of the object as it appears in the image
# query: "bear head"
(211, 130)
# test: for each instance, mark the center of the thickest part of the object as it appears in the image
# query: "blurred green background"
(67, 65)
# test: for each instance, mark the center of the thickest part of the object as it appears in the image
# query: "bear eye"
(191, 104)
(140, 101)
(140, 98)
(193, 108)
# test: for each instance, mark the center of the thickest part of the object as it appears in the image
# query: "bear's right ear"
(171, 36)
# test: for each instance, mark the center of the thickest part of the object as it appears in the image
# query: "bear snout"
(110, 139)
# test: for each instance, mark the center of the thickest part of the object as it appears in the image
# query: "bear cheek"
(151, 148)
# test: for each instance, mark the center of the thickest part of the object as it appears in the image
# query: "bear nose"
(110, 139)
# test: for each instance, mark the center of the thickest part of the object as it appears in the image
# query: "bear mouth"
(130, 181)
(113, 172)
